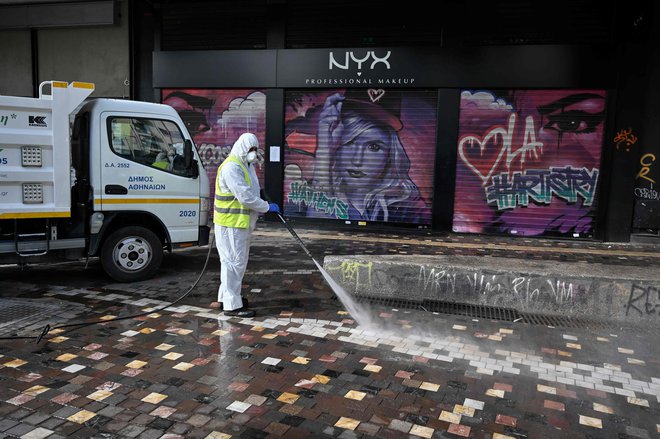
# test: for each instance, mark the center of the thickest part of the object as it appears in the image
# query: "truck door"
(143, 169)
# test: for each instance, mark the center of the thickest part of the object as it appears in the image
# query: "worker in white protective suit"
(236, 209)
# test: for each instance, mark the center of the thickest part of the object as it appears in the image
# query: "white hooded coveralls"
(234, 243)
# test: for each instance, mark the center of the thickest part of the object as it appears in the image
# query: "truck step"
(31, 244)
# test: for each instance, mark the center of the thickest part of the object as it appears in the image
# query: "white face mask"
(251, 156)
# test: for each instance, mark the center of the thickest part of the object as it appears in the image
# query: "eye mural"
(528, 161)
(360, 154)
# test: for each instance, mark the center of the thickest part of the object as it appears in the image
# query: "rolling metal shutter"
(366, 174)
(528, 161)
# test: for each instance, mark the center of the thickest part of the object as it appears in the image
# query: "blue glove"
(272, 207)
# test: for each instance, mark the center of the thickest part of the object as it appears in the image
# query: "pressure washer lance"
(335, 287)
(293, 232)
(296, 237)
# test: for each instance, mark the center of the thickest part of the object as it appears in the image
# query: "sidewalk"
(604, 281)
(302, 367)
(403, 241)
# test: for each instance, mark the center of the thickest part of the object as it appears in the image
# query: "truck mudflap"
(204, 232)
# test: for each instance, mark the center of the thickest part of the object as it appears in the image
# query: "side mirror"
(187, 153)
(194, 170)
(190, 163)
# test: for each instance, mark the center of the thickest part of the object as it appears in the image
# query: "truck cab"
(126, 185)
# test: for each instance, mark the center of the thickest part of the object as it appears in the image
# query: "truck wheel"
(131, 254)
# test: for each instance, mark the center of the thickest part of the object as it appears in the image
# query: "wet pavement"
(302, 367)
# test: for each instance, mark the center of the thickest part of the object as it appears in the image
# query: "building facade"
(499, 117)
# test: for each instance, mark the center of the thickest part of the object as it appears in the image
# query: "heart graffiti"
(489, 158)
(375, 95)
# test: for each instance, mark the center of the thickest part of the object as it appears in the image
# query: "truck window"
(151, 142)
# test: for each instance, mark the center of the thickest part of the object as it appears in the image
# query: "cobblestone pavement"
(302, 367)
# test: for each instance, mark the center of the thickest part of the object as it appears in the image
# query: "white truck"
(124, 184)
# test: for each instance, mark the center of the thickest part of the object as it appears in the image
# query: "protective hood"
(243, 145)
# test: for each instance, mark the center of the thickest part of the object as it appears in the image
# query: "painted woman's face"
(361, 161)
(569, 125)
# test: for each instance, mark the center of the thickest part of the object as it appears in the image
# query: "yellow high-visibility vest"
(162, 164)
(228, 211)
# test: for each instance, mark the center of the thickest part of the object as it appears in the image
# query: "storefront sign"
(350, 68)
(399, 67)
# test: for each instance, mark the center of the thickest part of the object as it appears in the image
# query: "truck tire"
(131, 254)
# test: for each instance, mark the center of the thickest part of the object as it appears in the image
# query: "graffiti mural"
(365, 155)
(216, 118)
(647, 196)
(528, 161)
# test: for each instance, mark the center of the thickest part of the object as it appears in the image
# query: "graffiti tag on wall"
(647, 197)
(540, 185)
(507, 153)
(646, 161)
(300, 194)
(625, 137)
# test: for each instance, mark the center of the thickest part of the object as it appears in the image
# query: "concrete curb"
(576, 289)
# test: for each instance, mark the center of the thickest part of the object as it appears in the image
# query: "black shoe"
(219, 306)
(240, 312)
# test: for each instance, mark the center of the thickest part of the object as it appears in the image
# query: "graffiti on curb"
(355, 273)
(441, 281)
(644, 301)
(438, 280)
(449, 283)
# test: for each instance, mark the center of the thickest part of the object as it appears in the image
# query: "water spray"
(361, 316)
